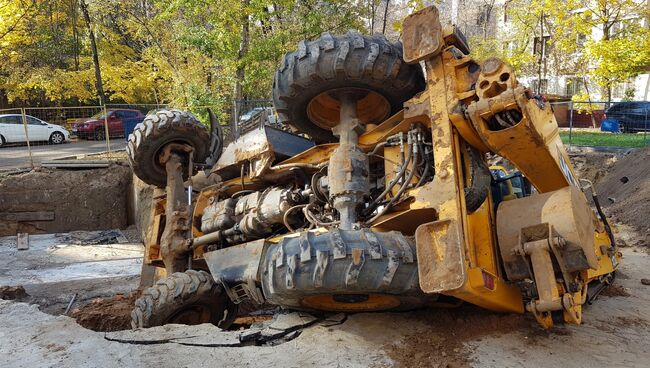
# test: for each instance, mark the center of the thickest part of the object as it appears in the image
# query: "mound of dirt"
(442, 344)
(624, 192)
(615, 290)
(12, 292)
(592, 165)
(101, 314)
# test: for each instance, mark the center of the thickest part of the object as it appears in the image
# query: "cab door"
(38, 130)
(115, 126)
(12, 129)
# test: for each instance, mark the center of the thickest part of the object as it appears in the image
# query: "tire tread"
(155, 131)
(348, 60)
(171, 292)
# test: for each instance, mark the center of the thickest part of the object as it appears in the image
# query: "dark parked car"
(117, 119)
(632, 116)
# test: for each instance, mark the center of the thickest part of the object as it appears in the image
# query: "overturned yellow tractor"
(374, 193)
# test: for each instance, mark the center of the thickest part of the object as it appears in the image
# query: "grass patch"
(604, 139)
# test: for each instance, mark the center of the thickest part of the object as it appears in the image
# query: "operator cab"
(506, 186)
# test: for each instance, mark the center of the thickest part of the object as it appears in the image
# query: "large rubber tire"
(339, 62)
(191, 297)
(348, 271)
(480, 179)
(157, 130)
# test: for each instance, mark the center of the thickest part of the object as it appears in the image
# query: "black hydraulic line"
(394, 181)
(608, 229)
(399, 193)
(427, 165)
(425, 173)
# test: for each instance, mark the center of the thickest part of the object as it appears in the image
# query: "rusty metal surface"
(252, 148)
(422, 35)
(172, 242)
(569, 214)
(320, 257)
(453, 36)
(257, 151)
(348, 165)
(236, 264)
(533, 142)
(443, 194)
(443, 269)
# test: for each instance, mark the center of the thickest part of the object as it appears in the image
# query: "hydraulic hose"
(401, 190)
(601, 214)
(392, 183)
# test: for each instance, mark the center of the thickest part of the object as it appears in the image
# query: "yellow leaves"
(620, 58)
(55, 84)
(128, 81)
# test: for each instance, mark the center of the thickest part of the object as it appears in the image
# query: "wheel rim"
(160, 167)
(324, 111)
(57, 138)
(99, 135)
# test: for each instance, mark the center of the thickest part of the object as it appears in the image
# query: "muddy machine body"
(378, 196)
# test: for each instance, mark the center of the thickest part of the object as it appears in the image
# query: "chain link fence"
(33, 137)
(604, 124)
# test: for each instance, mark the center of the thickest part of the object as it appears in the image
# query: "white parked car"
(13, 131)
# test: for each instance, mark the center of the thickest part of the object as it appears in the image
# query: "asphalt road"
(16, 156)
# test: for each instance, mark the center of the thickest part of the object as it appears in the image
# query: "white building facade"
(490, 17)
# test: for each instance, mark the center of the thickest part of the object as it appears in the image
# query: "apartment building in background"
(490, 18)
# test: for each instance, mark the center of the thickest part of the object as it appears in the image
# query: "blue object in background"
(610, 125)
(129, 125)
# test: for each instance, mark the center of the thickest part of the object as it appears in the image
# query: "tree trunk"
(373, 10)
(75, 34)
(609, 94)
(93, 45)
(591, 112)
(383, 27)
(240, 73)
(540, 60)
(488, 12)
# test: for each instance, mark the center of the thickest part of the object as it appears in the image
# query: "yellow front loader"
(372, 192)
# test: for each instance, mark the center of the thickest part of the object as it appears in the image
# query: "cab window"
(16, 120)
(33, 121)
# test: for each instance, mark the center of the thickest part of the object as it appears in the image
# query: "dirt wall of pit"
(50, 201)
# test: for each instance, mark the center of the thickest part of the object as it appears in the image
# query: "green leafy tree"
(181, 52)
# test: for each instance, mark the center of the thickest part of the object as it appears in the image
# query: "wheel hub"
(324, 110)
